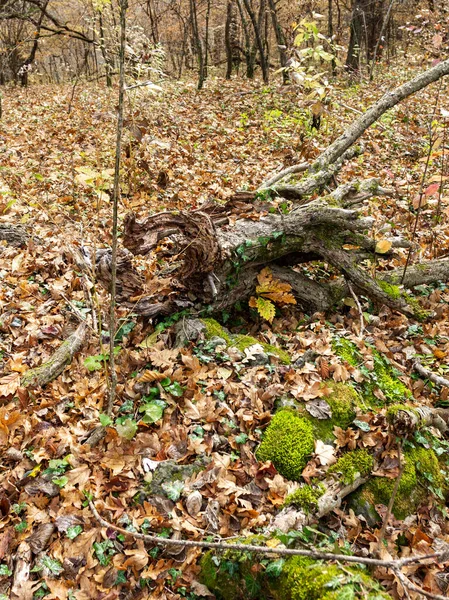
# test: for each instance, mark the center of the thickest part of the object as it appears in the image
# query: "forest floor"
(182, 148)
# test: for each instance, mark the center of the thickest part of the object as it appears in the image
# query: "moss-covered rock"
(351, 465)
(237, 576)
(288, 442)
(242, 342)
(383, 376)
(421, 474)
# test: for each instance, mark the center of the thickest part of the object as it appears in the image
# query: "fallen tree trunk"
(221, 249)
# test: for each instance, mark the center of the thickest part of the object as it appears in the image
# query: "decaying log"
(15, 235)
(405, 421)
(219, 251)
(62, 357)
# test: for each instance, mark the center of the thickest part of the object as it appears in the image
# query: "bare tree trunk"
(29, 61)
(280, 39)
(257, 34)
(249, 55)
(198, 43)
(104, 53)
(206, 40)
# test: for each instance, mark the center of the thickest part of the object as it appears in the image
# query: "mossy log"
(222, 251)
(62, 357)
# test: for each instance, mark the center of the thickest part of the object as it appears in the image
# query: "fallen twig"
(433, 377)
(394, 565)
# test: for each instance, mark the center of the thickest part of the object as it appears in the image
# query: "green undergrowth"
(241, 342)
(234, 576)
(384, 377)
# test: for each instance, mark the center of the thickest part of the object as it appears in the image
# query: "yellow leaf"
(150, 376)
(280, 297)
(266, 309)
(383, 246)
(272, 543)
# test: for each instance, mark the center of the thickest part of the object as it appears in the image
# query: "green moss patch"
(306, 497)
(241, 342)
(343, 402)
(383, 377)
(421, 474)
(352, 465)
(288, 442)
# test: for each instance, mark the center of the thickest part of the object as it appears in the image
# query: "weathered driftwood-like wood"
(433, 377)
(62, 357)
(406, 421)
(360, 125)
(15, 235)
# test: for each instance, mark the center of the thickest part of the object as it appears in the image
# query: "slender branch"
(440, 557)
(116, 193)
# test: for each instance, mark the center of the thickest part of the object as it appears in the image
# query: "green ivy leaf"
(153, 411)
(274, 568)
(61, 481)
(105, 420)
(127, 430)
(241, 438)
(104, 551)
(74, 531)
(173, 489)
(53, 565)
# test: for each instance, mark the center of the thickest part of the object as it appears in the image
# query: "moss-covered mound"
(235, 577)
(353, 465)
(420, 479)
(306, 497)
(343, 402)
(383, 377)
(241, 342)
(288, 442)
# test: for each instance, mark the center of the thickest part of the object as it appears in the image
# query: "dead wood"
(62, 357)
(405, 421)
(15, 235)
(216, 252)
